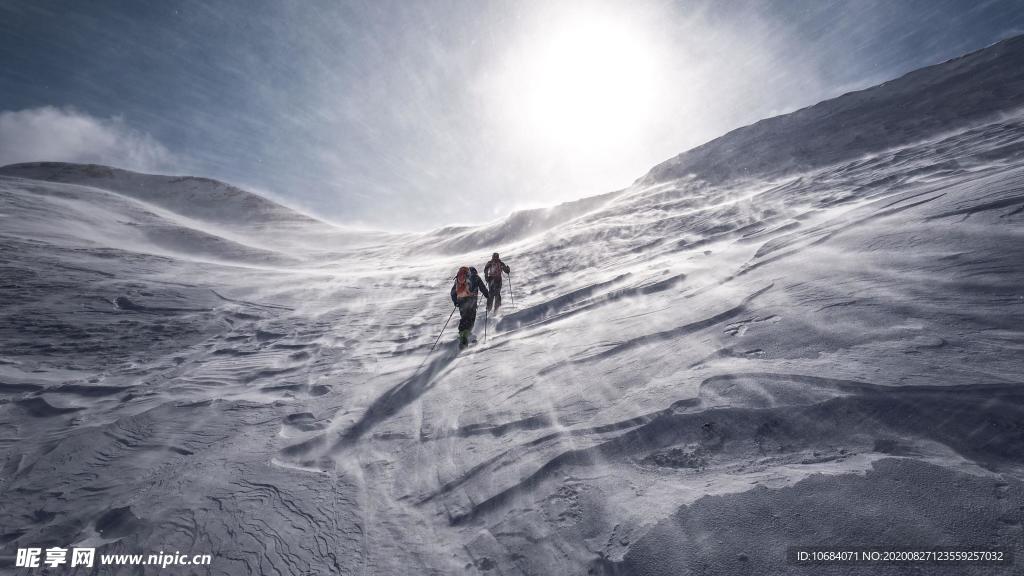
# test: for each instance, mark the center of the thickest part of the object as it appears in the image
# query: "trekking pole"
(510, 290)
(442, 330)
(485, 323)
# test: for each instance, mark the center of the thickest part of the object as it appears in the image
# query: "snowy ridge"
(517, 226)
(200, 198)
(175, 216)
(694, 374)
(918, 105)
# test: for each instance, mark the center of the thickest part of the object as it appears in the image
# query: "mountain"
(180, 216)
(816, 346)
(921, 104)
(200, 198)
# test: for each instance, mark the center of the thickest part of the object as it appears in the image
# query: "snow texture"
(807, 332)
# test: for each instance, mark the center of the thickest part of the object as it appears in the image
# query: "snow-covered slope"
(921, 104)
(694, 375)
(171, 215)
(517, 226)
(199, 198)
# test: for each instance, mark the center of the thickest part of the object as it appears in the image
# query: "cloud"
(67, 135)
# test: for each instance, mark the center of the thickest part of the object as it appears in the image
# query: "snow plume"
(48, 133)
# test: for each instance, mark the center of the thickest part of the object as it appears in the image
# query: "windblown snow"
(808, 332)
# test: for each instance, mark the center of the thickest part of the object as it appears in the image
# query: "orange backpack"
(462, 284)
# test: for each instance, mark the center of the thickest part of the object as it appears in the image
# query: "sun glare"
(582, 84)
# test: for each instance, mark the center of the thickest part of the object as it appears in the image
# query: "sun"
(582, 83)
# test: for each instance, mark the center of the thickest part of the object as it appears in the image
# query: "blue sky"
(416, 114)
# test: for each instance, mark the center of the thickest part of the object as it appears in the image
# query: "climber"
(492, 273)
(464, 294)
